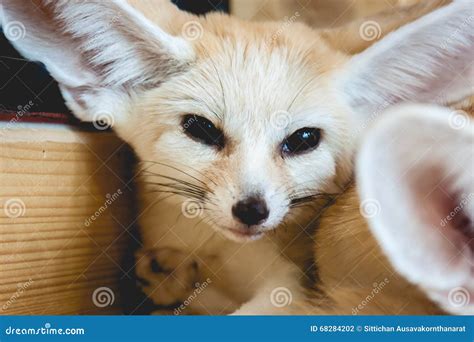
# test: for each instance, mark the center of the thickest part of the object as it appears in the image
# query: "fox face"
(247, 123)
(249, 120)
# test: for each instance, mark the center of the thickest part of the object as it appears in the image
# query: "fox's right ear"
(416, 181)
(100, 52)
(428, 60)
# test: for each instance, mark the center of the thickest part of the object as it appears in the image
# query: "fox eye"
(303, 140)
(202, 130)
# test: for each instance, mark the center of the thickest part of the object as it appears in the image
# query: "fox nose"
(251, 211)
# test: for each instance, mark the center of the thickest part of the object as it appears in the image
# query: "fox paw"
(167, 275)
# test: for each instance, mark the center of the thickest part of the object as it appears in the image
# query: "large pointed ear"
(100, 52)
(428, 60)
(416, 173)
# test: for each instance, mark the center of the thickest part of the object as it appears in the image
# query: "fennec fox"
(242, 129)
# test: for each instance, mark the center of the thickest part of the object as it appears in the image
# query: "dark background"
(22, 81)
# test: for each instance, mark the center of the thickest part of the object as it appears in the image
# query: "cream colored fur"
(406, 261)
(258, 83)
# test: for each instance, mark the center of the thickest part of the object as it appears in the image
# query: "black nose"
(251, 211)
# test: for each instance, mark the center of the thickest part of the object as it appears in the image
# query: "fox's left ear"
(428, 60)
(100, 52)
(416, 180)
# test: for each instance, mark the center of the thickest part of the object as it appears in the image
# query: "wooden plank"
(52, 255)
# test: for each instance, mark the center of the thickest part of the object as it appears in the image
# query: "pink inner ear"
(445, 209)
(423, 180)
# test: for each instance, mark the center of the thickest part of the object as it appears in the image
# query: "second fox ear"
(416, 171)
(428, 60)
(100, 52)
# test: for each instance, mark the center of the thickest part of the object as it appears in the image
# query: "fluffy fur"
(400, 258)
(258, 83)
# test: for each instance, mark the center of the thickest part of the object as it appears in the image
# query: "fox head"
(247, 120)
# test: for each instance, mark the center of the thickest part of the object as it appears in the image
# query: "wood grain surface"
(53, 256)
